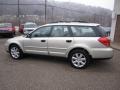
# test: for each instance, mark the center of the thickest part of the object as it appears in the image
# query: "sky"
(109, 4)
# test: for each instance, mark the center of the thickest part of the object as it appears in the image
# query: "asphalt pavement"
(35, 72)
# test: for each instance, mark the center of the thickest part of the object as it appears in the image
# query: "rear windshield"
(87, 31)
(2, 25)
(30, 26)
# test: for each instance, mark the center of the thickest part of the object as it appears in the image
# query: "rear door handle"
(68, 41)
(43, 40)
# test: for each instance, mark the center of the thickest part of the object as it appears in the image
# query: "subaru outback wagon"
(78, 42)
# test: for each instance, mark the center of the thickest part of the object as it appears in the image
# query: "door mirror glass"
(28, 35)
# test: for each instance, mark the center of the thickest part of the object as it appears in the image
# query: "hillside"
(57, 11)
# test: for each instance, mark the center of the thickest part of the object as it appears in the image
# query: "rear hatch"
(5, 27)
(93, 36)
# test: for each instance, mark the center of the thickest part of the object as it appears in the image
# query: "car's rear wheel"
(79, 59)
(15, 52)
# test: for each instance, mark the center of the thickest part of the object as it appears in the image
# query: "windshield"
(2, 25)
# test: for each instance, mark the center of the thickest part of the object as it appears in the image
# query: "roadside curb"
(115, 46)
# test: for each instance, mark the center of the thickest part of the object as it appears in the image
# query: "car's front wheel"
(11, 35)
(15, 52)
(79, 59)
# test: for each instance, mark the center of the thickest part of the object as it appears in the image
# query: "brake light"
(21, 28)
(10, 29)
(13, 28)
(105, 41)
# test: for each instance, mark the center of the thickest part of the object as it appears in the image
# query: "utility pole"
(1, 10)
(45, 11)
(18, 13)
(52, 13)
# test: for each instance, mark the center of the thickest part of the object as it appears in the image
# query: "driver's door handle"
(68, 41)
(43, 40)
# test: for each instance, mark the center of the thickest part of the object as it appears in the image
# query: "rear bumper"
(102, 53)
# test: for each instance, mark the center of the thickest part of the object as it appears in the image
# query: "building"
(115, 31)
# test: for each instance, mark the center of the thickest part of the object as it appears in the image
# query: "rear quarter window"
(101, 31)
(87, 31)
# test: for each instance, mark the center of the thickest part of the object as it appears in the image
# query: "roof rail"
(80, 21)
(70, 21)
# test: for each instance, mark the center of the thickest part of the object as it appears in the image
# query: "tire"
(11, 35)
(79, 58)
(15, 52)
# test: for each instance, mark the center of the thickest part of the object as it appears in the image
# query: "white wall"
(117, 7)
(114, 18)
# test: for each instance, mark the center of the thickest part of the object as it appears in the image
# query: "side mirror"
(28, 36)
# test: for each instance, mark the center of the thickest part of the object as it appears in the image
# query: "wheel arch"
(76, 48)
(15, 44)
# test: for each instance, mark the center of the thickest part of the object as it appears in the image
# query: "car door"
(37, 41)
(59, 41)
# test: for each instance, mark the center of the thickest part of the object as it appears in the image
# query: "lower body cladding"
(99, 53)
(102, 53)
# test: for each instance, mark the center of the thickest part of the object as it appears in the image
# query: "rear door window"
(60, 31)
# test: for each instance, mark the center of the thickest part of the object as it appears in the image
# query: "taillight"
(105, 41)
(10, 29)
(21, 28)
(13, 28)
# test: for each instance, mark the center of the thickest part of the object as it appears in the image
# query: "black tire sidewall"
(11, 35)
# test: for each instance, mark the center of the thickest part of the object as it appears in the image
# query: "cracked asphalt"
(35, 72)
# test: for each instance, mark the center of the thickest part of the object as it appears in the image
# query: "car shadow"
(102, 66)
(51, 59)
(95, 65)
